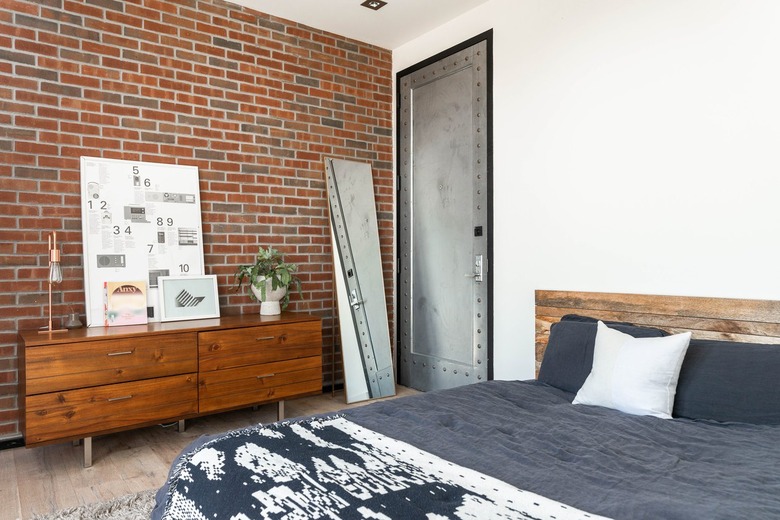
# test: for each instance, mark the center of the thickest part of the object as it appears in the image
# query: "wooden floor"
(47, 479)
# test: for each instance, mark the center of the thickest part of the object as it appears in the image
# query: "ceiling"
(390, 27)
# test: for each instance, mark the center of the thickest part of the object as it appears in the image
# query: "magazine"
(125, 303)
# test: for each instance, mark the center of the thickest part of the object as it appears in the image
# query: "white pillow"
(634, 375)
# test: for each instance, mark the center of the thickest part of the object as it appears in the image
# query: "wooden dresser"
(86, 382)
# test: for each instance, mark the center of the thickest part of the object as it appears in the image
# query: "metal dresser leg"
(181, 426)
(87, 452)
(280, 410)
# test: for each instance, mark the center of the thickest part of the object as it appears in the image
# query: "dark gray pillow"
(568, 358)
(728, 381)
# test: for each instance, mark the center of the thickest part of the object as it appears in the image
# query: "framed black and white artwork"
(188, 297)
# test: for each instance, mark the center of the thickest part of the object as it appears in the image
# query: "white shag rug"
(137, 506)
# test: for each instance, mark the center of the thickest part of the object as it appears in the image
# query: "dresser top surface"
(32, 338)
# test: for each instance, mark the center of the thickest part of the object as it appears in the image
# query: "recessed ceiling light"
(376, 5)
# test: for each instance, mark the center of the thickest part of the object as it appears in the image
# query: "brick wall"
(255, 102)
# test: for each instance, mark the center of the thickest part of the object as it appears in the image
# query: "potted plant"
(269, 280)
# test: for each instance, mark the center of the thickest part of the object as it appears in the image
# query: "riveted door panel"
(363, 323)
(444, 221)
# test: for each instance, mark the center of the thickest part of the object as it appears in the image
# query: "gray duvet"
(599, 460)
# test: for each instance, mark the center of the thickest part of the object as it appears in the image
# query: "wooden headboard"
(750, 321)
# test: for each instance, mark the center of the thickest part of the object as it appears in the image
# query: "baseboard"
(7, 444)
(332, 388)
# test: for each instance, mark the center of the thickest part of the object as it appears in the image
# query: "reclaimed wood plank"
(693, 306)
(731, 319)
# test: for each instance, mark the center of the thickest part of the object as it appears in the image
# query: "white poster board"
(140, 221)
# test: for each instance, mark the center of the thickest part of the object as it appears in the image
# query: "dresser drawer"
(90, 411)
(256, 345)
(53, 368)
(244, 386)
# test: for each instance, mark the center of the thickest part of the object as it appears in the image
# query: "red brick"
(118, 63)
(100, 72)
(104, 27)
(81, 8)
(9, 429)
(36, 48)
(124, 18)
(159, 28)
(152, 12)
(258, 146)
(20, 7)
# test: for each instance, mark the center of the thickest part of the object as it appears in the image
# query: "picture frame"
(162, 233)
(188, 297)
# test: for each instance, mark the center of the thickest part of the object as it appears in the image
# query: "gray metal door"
(445, 219)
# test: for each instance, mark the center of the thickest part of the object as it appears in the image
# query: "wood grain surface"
(744, 320)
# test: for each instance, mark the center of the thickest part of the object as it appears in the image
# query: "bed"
(521, 449)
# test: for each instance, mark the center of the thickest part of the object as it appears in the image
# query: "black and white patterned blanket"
(333, 468)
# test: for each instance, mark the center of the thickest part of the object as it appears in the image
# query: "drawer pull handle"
(126, 353)
(123, 398)
(266, 338)
(265, 375)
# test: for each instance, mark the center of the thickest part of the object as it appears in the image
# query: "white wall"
(637, 149)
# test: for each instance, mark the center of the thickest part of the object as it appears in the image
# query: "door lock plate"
(478, 268)
(476, 274)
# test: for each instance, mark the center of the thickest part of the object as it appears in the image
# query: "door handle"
(123, 398)
(125, 353)
(353, 300)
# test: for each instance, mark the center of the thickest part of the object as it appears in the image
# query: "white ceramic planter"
(270, 306)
